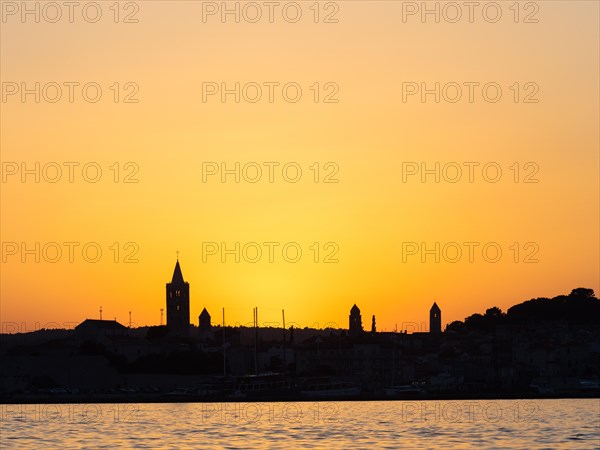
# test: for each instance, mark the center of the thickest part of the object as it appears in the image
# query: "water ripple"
(501, 424)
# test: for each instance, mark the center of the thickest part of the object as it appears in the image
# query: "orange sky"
(370, 137)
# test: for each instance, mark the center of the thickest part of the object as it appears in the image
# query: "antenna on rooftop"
(256, 340)
(283, 345)
(100, 312)
(224, 355)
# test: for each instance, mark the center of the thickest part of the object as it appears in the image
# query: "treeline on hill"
(580, 307)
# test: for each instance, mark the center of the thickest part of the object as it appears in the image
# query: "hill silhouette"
(580, 307)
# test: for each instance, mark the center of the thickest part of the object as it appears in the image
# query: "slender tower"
(355, 322)
(178, 304)
(435, 319)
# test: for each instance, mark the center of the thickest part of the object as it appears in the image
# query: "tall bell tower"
(178, 304)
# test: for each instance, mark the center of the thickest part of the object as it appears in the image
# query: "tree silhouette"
(582, 293)
(494, 312)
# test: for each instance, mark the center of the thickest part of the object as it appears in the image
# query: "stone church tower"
(435, 319)
(178, 304)
(204, 321)
(355, 328)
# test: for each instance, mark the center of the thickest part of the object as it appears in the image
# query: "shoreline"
(164, 398)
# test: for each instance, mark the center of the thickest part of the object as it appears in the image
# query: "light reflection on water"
(460, 424)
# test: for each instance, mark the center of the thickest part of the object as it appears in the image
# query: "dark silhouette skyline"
(541, 347)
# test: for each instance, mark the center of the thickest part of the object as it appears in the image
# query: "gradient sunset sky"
(369, 133)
